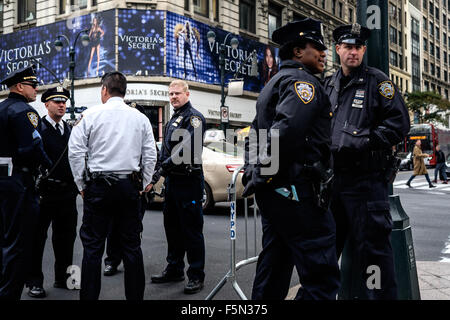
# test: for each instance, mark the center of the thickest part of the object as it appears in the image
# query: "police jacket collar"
(294, 64)
(358, 76)
(183, 108)
(14, 95)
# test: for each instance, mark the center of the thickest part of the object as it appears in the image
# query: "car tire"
(208, 200)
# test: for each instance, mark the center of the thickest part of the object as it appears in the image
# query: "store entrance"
(155, 114)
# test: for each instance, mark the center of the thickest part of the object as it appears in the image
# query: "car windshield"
(225, 147)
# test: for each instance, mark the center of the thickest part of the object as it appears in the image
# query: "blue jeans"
(440, 167)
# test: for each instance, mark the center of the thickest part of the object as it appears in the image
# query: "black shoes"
(193, 286)
(408, 184)
(36, 292)
(166, 277)
(432, 186)
(109, 270)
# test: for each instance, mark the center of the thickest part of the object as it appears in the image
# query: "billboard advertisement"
(18, 49)
(190, 56)
(141, 42)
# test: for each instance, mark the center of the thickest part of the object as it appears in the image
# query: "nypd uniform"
(58, 200)
(117, 140)
(21, 153)
(184, 184)
(296, 231)
(370, 117)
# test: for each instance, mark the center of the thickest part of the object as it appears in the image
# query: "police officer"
(21, 153)
(184, 183)
(118, 142)
(298, 230)
(370, 118)
(58, 197)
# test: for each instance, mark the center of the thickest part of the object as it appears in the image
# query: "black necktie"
(57, 129)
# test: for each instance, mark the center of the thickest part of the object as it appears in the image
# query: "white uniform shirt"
(114, 136)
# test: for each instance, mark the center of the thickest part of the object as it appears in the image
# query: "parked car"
(220, 160)
(406, 162)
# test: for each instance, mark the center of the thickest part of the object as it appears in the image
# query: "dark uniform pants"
(61, 211)
(113, 253)
(295, 234)
(361, 210)
(103, 206)
(183, 223)
(19, 211)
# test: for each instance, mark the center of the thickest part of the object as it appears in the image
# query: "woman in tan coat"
(419, 165)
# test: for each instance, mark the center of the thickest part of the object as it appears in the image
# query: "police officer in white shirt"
(112, 143)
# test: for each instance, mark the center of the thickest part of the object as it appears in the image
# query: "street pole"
(352, 285)
(223, 125)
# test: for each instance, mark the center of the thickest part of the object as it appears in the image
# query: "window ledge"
(24, 25)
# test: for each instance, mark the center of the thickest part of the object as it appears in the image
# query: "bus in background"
(430, 136)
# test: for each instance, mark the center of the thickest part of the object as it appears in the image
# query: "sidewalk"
(434, 281)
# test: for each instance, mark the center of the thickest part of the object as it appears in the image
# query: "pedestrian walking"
(118, 143)
(370, 118)
(181, 158)
(419, 165)
(21, 154)
(58, 194)
(440, 166)
(298, 229)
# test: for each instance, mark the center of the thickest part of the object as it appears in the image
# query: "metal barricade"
(231, 275)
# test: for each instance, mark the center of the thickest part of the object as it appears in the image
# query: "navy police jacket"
(19, 134)
(177, 143)
(369, 113)
(295, 104)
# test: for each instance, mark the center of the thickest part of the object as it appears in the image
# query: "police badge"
(196, 121)
(305, 91)
(34, 119)
(386, 89)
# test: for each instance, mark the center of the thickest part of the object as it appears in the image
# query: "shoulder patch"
(196, 121)
(305, 91)
(34, 118)
(386, 89)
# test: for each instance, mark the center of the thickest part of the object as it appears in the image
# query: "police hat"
(307, 29)
(27, 74)
(56, 94)
(351, 34)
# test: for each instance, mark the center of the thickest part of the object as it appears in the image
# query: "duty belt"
(110, 177)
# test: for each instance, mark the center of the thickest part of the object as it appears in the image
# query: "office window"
(425, 66)
(445, 56)
(444, 20)
(432, 49)
(437, 14)
(393, 58)
(392, 34)
(445, 77)
(432, 28)
(323, 4)
(81, 4)
(1, 13)
(333, 7)
(439, 90)
(26, 10)
(400, 15)
(432, 70)
(400, 38)
(438, 53)
(438, 72)
(274, 18)
(433, 87)
(341, 10)
(201, 7)
(446, 94)
(350, 15)
(425, 24)
(247, 15)
(444, 37)
(431, 7)
(62, 6)
(392, 11)
(437, 34)
(400, 61)
(94, 3)
(425, 4)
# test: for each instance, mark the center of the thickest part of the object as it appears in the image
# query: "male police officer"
(58, 197)
(21, 152)
(119, 143)
(181, 166)
(370, 118)
(298, 229)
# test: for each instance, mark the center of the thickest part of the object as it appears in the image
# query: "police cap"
(306, 29)
(56, 94)
(351, 34)
(27, 74)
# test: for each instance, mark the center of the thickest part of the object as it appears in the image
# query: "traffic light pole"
(374, 14)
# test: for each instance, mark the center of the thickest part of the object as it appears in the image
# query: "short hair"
(115, 83)
(286, 51)
(180, 83)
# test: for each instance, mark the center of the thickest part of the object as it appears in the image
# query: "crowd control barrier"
(231, 275)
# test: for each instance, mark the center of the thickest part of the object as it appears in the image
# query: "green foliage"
(428, 106)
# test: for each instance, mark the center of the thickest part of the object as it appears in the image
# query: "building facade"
(151, 42)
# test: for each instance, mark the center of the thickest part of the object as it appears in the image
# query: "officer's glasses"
(34, 85)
